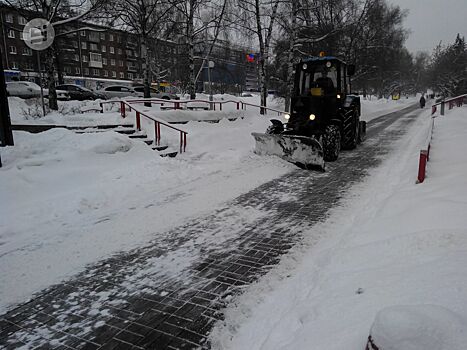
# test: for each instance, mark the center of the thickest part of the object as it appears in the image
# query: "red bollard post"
(102, 107)
(422, 166)
(122, 109)
(433, 109)
(184, 142)
(138, 121)
(238, 106)
(220, 106)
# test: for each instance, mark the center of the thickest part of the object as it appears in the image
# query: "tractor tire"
(352, 142)
(331, 143)
(361, 132)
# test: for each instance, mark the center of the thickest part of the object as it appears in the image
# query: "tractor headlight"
(312, 117)
(338, 96)
(287, 116)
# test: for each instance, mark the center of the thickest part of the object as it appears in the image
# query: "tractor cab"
(323, 76)
(322, 85)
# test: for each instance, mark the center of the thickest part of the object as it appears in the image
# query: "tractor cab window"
(324, 78)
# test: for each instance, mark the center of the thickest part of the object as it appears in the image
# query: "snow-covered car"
(27, 89)
(155, 93)
(119, 91)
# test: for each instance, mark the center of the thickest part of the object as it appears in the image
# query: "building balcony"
(94, 37)
(95, 64)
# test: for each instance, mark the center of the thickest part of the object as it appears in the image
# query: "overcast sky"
(433, 20)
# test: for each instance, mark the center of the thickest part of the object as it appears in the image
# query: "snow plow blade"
(303, 151)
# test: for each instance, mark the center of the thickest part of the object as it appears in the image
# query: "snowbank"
(418, 327)
(391, 243)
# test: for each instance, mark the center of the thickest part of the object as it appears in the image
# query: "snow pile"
(69, 199)
(391, 243)
(418, 327)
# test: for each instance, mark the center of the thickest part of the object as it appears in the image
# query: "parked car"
(119, 91)
(27, 89)
(80, 93)
(155, 93)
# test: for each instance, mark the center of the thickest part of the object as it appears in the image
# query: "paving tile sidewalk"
(168, 294)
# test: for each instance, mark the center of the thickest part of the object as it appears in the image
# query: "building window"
(104, 61)
(85, 58)
(112, 62)
(22, 20)
(122, 75)
(104, 48)
(21, 37)
(76, 58)
(93, 47)
(27, 51)
(86, 71)
(120, 63)
(83, 45)
(11, 33)
(102, 36)
(77, 70)
(95, 72)
(119, 51)
(130, 76)
(9, 18)
(106, 74)
(111, 37)
(74, 44)
(13, 50)
(14, 65)
(67, 70)
(83, 33)
(112, 50)
(114, 74)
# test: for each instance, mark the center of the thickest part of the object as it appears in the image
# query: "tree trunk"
(147, 70)
(50, 70)
(191, 50)
(291, 58)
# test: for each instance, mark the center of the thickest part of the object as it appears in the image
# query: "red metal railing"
(157, 124)
(177, 104)
(452, 102)
(425, 153)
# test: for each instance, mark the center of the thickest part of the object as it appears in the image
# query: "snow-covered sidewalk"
(392, 243)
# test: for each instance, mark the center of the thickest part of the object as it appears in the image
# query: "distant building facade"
(105, 56)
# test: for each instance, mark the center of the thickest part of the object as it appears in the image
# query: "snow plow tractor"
(324, 118)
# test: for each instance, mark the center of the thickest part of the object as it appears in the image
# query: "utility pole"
(6, 133)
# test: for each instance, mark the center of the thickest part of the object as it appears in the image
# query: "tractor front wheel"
(331, 143)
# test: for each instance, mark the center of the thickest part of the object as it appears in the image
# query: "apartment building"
(105, 56)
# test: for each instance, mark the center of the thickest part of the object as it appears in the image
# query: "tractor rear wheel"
(331, 143)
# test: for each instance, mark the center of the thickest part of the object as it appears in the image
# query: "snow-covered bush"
(33, 108)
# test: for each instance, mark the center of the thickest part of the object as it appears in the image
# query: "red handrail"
(458, 100)
(176, 103)
(157, 125)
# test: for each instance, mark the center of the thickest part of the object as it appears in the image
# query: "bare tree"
(61, 14)
(258, 18)
(198, 21)
(145, 18)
